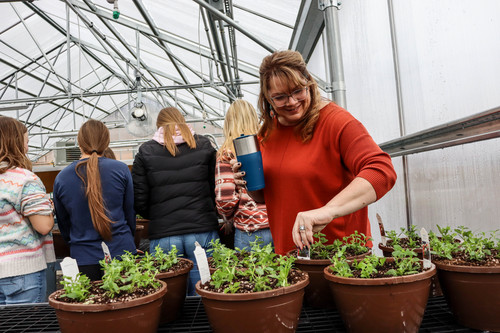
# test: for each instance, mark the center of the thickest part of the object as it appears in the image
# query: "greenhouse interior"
(422, 77)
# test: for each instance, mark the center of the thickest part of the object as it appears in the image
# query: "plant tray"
(42, 318)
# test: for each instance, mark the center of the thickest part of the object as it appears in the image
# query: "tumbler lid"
(246, 144)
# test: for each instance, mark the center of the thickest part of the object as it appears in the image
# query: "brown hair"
(288, 66)
(171, 119)
(109, 153)
(12, 144)
(241, 118)
(93, 139)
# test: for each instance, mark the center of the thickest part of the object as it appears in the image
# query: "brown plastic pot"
(435, 287)
(317, 293)
(138, 235)
(173, 300)
(138, 315)
(145, 224)
(387, 251)
(272, 311)
(392, 304)
(61, 248)
(473, 294)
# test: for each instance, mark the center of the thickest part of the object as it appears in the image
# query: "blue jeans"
(242, 238)
(185, 246)
(28, 288)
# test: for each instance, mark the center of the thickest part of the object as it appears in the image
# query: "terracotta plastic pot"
(392, 304)
(435, 287)
(61, 249)
(272, 311)
(138, 315)
(473, 294)
(317, 293)
(139, 234)
(173, 300)
(387, 251)
(145, 224)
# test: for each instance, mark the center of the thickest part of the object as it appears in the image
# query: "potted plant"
(378, 294)
(317, 293)
(174, 271)
(469, 274)
(260, 291)
(407, 238)
(128, 299)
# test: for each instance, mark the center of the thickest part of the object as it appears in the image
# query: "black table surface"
(41, 318)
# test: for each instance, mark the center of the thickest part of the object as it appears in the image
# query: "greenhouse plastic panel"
(42, 318)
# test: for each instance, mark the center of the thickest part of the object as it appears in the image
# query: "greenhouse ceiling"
(63, 62)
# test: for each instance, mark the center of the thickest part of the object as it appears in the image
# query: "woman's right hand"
(238, 175)
(257, 196)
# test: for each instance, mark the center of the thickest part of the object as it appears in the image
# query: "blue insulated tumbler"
(248, 154)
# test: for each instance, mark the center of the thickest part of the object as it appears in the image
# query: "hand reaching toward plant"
(313, 221)
(358, 194)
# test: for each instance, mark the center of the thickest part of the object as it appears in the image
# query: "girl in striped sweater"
(26, 220)
(233, 202)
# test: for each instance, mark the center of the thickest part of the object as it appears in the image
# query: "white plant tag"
(426, 248)
(69, 268)
(383, 238)
(107, 254)
(305, 253)
(201, 260)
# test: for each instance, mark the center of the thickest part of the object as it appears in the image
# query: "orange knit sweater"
(303, 176)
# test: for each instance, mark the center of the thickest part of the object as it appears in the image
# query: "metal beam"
(155, 71)
(226, 19)
(118, 92)
(263, 16)
(101, 38)
(308, 28)
(336, 86)
(481, 126)
(56, 26)
(182, 43)
(149, 20)
(28, 73)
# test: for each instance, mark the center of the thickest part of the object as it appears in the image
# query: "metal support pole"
(68, 49)
(402, 127)
(336, 87)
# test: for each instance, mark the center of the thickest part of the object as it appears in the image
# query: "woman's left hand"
(308, 223)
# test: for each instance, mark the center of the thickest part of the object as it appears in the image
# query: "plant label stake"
(305, 253)
(69, 268)
(201, 260)
(383, 239)
(426, 248)
(107, 254)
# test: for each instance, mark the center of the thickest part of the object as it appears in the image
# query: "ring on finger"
(302, 228)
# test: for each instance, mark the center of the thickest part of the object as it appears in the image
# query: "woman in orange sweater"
(321, 167)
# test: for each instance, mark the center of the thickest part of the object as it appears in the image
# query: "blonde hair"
(93, 139)
(241, 118)
(12, 144)
(171, 119)
(288, 67)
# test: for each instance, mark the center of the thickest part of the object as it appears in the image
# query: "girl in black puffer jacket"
(174, 181)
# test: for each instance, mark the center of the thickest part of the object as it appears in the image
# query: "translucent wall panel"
(449, 67)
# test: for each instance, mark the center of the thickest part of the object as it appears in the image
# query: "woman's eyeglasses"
(298, 95)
